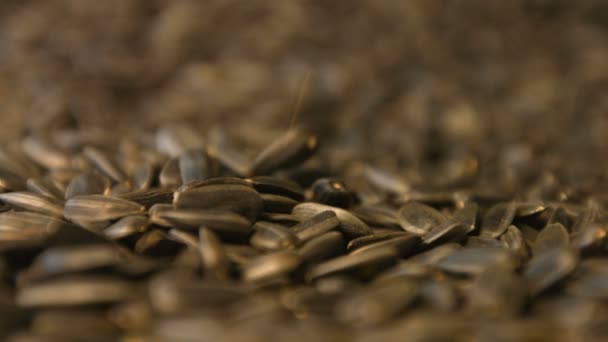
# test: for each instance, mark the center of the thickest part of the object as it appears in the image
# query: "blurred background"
(406, 80)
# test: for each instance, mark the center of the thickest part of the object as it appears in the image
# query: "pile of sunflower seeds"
(177, 236)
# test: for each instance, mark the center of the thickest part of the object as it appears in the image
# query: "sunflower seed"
(74, 292)
(192, 166)
(176, 139)
(545, 270)
(34, 202)
(148, 198)
(514, 241)
(214, 258)
(45, 154)
(363, 265)
(332, 192)
(498, 218)
(497, 292)
(350, 225)
(377, 304)
(271, 236)
(277, 186)
(104, 163)
(591, 238)
(224, 223)
(88, 184)
(11, 182)
(237, 198)
(126, 226)
(271, 266)
(377, 215)
(418, 218)
(144, 176)
(278, 203)
(552, 236)
(293, 147)
(439, 295)
(476, 260)
(316, 226)
(170, 176)
(100, 208)
(71, 259)
(529, 208)
(322, 247)
(404, 246)
(363, 241)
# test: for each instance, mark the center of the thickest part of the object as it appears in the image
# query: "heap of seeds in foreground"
(173, 238)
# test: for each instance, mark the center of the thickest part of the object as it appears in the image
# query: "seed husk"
(240, 199)
(170, 176)
(277, 186)
(362, 265)
(127, 226)
(552, 236)
(316, 226)
(350, 225)
(418, 218)
(271, 266)
(498, 218)
(104, 163)
(224, 223)
(74, 292)
(192, 166)
(214, 259)
(34, 202)
(322, 247)
(88, 184)
(278, 203)
(272, 236)
(547, 269)
(100, 208)
(293, 147)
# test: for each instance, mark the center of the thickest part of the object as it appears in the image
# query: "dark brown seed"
(104, 163)
(514, 240)
(322, 247)
(378, 303)
(439, 295)
(224, 223)
(74, 291)
(277, 186)
(350, 225)
(143, 176)
(332, 192)
(240, 199)
(403, 245)
(34, 202)
(215, 261)
(241, 254)
(170, 176)
(286, 219)
(497, 292)
(88, 184)
(71, 259)
(546, 269)
(529, 208)
(497, 219)
(552, 236)
(192, 166)
(591, 239)
(377, 215)
(363, 265)
(127, 226)
(100, 208)
(45, 187)
(316, 226)
(433, 256)
(271, 266)
(448, 231)
(476, 260)
(45, 154)
(213, 181)
(418, 218)
(291, 148)
(271, 236)
(363, 241)
(177, 139)
(278, 203)
(148, 198)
